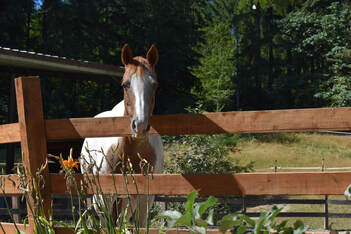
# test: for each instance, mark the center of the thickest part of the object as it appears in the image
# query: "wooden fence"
(33, 132)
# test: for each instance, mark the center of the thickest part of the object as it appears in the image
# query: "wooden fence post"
(326, 212)
(33, 138)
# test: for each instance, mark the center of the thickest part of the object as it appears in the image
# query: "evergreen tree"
(15, 19)
(312, 34)
(216, 69)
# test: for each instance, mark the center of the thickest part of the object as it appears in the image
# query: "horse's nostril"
(148, 128)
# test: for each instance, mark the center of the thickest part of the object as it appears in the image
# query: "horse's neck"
(134, 149)
(131, 148)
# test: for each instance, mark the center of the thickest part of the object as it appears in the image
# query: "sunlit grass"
(300, 150)
(294, 150)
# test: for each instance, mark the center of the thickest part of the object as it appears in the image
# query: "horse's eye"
(126, 85)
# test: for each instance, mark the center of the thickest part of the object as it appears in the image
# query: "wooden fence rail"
(294, 120)
(240, 184)
(33, 132)
(62, 206)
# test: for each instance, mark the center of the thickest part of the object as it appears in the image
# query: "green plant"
(265, 224)
(87, 222)
(111, 221)
(347, 192)
(193, 215)
(194, 221)
(32, 185)
(203, 154)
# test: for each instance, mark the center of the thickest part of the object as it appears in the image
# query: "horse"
(103, 155)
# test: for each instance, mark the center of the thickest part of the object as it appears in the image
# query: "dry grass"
(294, 150)
(300, 150)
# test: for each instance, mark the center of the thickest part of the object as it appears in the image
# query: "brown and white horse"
(102, 155)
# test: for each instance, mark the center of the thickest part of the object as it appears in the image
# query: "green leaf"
(260, 222)
(209, 218)
(211, 201)
(347, 192)
(184, 220)
(281, 225)
(249, 220)
(196, 213)
(201, 223)
(241, 230)
(190, 202)
(197, 229)
(171, 216)
(299, 227)
(274, 213)
(229, 221)
(64, 224)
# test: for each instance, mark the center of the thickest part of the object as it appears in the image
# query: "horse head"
(139, 84)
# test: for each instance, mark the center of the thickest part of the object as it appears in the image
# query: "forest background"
(219, 55)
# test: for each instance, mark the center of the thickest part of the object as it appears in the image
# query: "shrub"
(203, 154)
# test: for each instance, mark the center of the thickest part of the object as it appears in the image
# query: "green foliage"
(281, 138)
(316, 35)
(327, 27)
(337, 89)
(224, 54)
(265, 224)
(204, 154)
(193, 215)
(15, 20)
(216, 70)
(192, 219)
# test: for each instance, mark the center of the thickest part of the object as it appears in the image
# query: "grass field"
(300, 150)
(295, 150)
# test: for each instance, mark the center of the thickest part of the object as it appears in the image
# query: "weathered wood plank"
(9, 133)
(10, 184)
(60, 230)
(248, 200)
(296, 120)
(33, 138)
(282, 183)
(10, 228)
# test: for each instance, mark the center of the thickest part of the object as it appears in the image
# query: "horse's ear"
(152, 55)
(126, 55)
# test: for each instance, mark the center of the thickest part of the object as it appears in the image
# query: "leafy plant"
(193, 219)
(203, 154)
(87, 221)
(32, 185)
(206, 154)
(265, 224)
(193, 215)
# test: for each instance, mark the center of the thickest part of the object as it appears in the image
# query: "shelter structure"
(15, 63)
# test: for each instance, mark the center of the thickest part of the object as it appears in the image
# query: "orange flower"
(70, 163)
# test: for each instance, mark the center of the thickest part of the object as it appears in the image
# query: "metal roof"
(39, 61)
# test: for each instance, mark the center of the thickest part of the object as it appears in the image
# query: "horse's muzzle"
(140, 129)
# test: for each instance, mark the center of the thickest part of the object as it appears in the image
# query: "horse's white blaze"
(142, 90)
